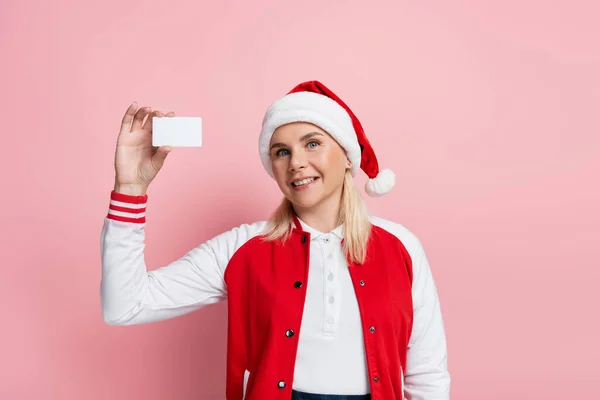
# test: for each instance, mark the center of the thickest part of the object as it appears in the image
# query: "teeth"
(303, 182)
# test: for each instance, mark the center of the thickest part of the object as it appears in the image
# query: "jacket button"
(376, 379)
(304, 239)
(362, 283)
(298, 285)
(372, 329)
(289, 333)
(281, 384)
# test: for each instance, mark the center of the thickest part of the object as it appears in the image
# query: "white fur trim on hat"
(381, 184)
(316, 109)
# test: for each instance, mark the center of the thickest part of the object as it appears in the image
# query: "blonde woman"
(324, 301)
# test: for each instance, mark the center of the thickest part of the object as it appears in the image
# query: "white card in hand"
(177, 131)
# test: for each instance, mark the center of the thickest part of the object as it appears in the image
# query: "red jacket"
(266, 286)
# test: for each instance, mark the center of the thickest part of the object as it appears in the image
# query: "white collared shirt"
(331, 354)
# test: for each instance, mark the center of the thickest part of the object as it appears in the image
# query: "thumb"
(158, 159)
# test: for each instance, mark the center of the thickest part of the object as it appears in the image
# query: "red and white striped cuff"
(127, 208)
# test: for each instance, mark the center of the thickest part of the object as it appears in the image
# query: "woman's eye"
(281, 152)
(313, 142)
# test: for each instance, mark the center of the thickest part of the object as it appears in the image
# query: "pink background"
(488, 114)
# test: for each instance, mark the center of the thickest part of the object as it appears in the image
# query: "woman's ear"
(348, 164)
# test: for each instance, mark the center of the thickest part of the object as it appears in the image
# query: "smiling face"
(308, 165)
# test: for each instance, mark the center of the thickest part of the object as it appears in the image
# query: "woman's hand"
(137, 162)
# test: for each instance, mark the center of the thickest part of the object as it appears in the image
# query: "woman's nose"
(297, 162)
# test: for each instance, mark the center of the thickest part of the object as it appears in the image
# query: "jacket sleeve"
(426, 376)
(130, 294)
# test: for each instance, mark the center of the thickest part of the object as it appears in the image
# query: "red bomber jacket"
(265, 284)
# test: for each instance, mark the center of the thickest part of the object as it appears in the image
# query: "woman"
(363, 322)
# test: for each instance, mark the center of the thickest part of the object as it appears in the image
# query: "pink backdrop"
(487, 113)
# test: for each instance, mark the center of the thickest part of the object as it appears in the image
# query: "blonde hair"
(353, 214)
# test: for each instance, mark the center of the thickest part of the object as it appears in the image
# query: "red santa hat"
(314, 103)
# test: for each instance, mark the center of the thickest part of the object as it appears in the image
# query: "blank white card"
(177, 131)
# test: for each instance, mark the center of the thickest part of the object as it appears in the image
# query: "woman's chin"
(303, 201)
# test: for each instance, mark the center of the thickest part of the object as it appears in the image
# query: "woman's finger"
(138, 118)
(148, 124)
(127, 118)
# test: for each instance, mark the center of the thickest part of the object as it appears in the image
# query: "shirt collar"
(338, 232)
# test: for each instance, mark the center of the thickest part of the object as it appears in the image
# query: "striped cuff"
(127, 208)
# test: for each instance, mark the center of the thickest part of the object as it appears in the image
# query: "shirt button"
(298, 284)
(330, 320)
(326, 240)
(362, 283)
(331, 299)
(330, 276)
(376, 379)
(372, 329)
(330, 257)
(304, 239)
(289, 333)
(281, 384)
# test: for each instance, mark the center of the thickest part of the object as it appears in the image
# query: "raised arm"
(132, 295)
(129, 293)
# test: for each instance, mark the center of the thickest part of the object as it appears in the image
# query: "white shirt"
(331, 352)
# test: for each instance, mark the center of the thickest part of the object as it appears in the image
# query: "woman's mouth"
(304, 183)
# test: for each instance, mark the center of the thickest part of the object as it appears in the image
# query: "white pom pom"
(381, 184)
